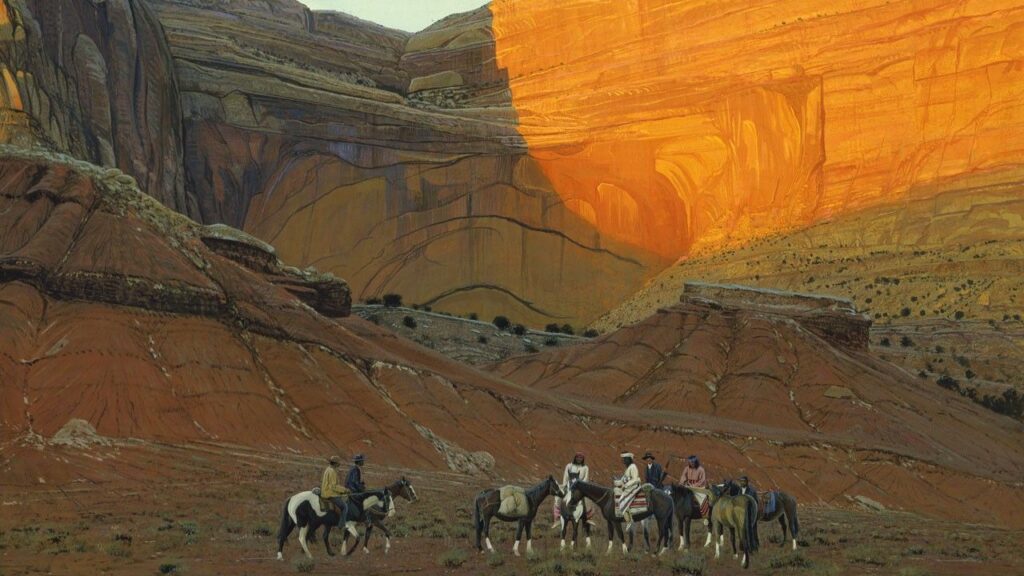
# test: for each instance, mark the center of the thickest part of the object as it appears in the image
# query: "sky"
(408, 15)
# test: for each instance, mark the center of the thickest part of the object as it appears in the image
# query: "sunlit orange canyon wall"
(681, 125)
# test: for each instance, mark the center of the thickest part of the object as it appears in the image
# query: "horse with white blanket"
(511, 504)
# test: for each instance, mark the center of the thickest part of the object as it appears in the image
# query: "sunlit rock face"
(391, 160)
(678, 125)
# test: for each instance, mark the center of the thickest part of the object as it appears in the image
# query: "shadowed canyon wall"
(389, 159)
(680, 125)
(94, 80)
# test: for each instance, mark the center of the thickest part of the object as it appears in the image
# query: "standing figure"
(630, 485)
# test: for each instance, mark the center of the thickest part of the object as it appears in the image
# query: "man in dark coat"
(654, 474)
(354, 482)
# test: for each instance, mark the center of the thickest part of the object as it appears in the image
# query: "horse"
(659, 505)
(488, 502)
(785, 513)
(687, 510)
(303, 510)
(374, 515)
(574, 516)
(738, 514)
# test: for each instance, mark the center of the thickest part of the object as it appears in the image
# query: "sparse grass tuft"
(795, 560)
(170, 568)
(453, 558)
(688, 565)
(118, 549)
(304, 565)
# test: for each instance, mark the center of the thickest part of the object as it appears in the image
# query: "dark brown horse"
(488, 503)
(784, 512)
(687, 510)
(375, 514)
(659, 505)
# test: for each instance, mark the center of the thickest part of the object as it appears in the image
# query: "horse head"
(554, 488)
(406, 490)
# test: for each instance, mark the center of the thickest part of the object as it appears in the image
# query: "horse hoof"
(366, 550)
(280, 556)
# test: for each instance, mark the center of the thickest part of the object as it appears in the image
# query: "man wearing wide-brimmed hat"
(332, 490)
(654, 474)
(354, 482)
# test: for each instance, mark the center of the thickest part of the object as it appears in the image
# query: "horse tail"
(751, 525)
(286, 523)
(794, 523)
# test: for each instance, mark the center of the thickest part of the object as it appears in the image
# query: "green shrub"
(688, 565)
(409, 322)
(591, 333)
(553, 328)
(304, 565)
(169, 568)
(502, 322)
(393, 300)
(519, 329)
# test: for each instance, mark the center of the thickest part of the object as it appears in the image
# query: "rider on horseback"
(655, 474)
(574, 471)
(695, 476)
(354, 482)
(332, 491)
(630, 486)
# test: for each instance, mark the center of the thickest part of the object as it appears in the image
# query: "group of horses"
(730, 510)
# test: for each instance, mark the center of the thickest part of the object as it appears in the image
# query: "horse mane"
(534, 492)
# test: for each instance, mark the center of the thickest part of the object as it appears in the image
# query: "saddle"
(324, 505)
(767, 502)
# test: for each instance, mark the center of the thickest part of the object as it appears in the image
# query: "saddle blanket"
(766, 502)
(513, 502)
(638, 505)
(704, 503)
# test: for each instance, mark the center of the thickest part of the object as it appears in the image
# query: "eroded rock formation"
(94, 80)
(389, 159)
(685, 125)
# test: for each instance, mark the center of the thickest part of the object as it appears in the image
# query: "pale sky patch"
(408, 15)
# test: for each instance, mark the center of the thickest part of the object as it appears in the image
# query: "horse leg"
(611, 537)
(366, 537)
(717, 529)
(782, 522)
(565, 527)
(302, 540)
(684, 533)
(625, 549)
(586, 529)
(486, 533)
(282, 536)
(529, 537)
(519, 536)
(794, 523)
(732, 539)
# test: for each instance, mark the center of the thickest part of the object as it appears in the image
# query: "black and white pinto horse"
(303, 511)
(574, 517)
(488, 502)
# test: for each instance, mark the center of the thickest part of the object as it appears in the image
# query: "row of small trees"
(501, 322)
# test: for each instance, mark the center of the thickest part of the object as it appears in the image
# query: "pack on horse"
(307, 511)
(775, 505)
(659, 505)
(375, 512)
(511, 504)
(737, 513)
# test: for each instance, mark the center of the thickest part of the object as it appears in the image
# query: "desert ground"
(214, 509)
